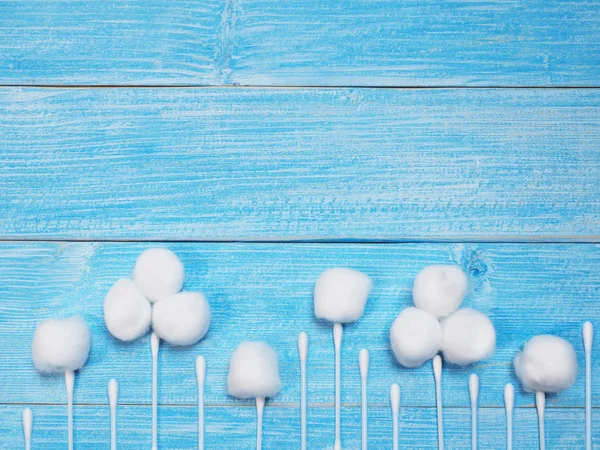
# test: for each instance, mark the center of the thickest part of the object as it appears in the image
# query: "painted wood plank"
(258, 42)
(417, 43)
(111, 42)
(300, 164)
(264, 291)
(234, 427)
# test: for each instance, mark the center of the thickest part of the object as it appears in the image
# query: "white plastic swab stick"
(200, 377)
(27, 427)
(474, 395)
(588, 338)
(437, 373)
(395, 401)
(509, 404)
(363, 360)
(113, 395)
(260, 406)
(540, 403)
(70, 384)
(154, 345)
(337, 341)
(303, 352)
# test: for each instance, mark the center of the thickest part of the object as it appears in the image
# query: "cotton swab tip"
(540, 401)
(363, 360)
(200, 370)
(588, 336)
(303, 345)
(113, 392)
(154, 343)
(474, 388)
(509, 397)
(395, 397)
(337, 335)
(27, 422)
(70, 381)
(437, 367)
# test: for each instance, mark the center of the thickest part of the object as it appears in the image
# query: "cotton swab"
(337, 342)
(395, 401)
(154, 345)
(474, 395)
(588, 337)
(27, 427)
(254, 373)
(260, 407)
(303, 353)
(200, 377)
(437, 373)
(70, 384)
(509, 404)
(540, 403)
(113, 395)
(363, 360)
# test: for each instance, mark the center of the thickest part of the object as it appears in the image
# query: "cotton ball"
(253, 371)
(61, 344)
(158, 274)
(341, 295)
(127, 313)
(182, 319)
(440, 289)
(468, 336)
(416, 336)
(547, 364)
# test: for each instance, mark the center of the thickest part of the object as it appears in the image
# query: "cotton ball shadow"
(60, 345)
(546, 364)
(158, 274)
(440, 289)
(415, 336)
(253, 371)
(127, 313)
(182, 319)
(341, 294)
(468, 336)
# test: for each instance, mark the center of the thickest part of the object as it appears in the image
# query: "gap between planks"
(288, 87)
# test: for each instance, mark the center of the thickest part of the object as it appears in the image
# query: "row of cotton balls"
(152, 297)
(435, 324)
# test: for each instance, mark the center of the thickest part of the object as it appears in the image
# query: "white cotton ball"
(253, 371)
(416, 336)
(127, 313)
(440, 289)
(61, 344)
(182, 319)
(547, 364)
(341, 295)
(468, 336)
(158, 274)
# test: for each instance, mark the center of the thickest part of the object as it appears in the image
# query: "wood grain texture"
(261, 42)
(264, 291)
(305, 164)
(234, 428)
(110, 42)
(417, 43)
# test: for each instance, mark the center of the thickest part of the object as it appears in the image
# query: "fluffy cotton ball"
(61, 344)
(468, 336)
(127, 313)
(158, 274)
(341, 295)
(547, 363)
(440, 289)
(253, 371)
(416, 336)
(182, 319)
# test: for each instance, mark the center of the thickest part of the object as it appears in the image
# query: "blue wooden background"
(266, 141)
